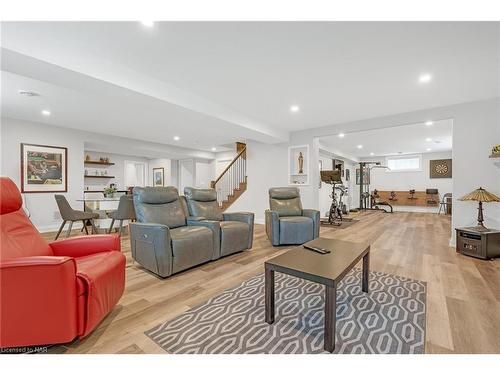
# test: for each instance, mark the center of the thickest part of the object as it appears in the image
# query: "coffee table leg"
(366, 272)
(269, 296)
(330, 317)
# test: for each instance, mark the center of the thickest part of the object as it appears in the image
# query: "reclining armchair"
(232, 232)
(52, 293)
(286, 222)
(161, 239)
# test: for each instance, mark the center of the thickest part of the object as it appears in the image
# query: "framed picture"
(366, 177)
(44, 169)
(158, 177)
(440, 168)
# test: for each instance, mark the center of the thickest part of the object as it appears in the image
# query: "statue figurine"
(301, 163)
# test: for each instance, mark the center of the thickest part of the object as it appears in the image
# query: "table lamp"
(480, 195)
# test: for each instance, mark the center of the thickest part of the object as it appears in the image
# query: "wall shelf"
(497, 155)
(91, 176)
(97, 162)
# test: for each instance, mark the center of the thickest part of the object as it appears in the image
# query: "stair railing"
(232, 177)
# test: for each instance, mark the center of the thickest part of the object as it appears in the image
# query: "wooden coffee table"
(326, 269)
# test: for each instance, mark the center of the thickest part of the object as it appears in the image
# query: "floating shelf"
(497, 155)
(97, 162)
(91, 176)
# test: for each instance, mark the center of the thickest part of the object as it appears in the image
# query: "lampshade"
(480, 195)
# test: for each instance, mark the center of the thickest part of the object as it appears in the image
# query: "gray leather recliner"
(286, 222)
(232, 232)
(161, 239)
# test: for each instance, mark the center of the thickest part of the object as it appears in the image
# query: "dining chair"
(444, 202)
(71, 215)
(125, 211)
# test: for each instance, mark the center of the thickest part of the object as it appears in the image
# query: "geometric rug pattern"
(389, 319)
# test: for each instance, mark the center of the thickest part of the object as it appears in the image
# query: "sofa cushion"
(203, 203)
(296, 230)
(191, 245)
(234, 237)
(285, 201)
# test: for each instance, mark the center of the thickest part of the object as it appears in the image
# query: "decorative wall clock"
(440, 168)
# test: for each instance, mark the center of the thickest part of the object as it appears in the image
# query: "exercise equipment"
(337, 208)
(368, 201)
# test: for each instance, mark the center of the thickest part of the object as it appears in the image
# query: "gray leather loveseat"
(232, 232)
(286, 222)
(161, 239)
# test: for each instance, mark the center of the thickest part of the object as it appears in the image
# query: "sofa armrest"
(151, 246)
(245, 217)
(214, 226)
(315, 216)
(273, 227)
(86, 245)
(38, 297)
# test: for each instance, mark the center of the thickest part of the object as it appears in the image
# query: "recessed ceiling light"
(371, 154)
(428, 139)
(428, 149)
(360, 146)
(429, 123)
(294, 108)
(424, 78)
(214, 149)
(341, 135)
(46, 112)
(148, 23)
(176, 138)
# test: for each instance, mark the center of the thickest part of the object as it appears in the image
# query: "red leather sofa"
(52, 292)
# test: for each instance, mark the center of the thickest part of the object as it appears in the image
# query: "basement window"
(406, 163)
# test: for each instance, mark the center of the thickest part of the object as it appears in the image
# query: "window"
(405, 163)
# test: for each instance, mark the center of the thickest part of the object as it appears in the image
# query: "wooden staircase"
(232, 182)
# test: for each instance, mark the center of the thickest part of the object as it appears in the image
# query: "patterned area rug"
(389, 319)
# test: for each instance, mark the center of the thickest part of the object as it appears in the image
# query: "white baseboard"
(259, 221)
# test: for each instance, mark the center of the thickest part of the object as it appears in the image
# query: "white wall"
(382, 179)
(266, 167)
(42, 206)
(166, 164)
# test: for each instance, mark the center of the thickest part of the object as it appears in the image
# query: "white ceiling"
(406, 139)
(218, 82)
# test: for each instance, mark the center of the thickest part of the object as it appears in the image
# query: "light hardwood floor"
(463, 293)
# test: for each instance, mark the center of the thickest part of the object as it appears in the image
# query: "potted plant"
(109, 192)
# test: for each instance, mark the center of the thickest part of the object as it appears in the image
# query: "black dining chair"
(125, 211)
(71, 215)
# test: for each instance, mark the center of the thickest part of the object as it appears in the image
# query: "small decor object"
(480, 195)
(158, 177)
(393, 196)
(301, 163)
(440, 168)
(44, 169)
(106, 160)
(101, 159)
(87, 157)
(109, 192)
(347, 174)
(412, 194)
(320, 169)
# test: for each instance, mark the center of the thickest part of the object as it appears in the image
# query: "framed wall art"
(441, 168)
(158, 177)
(44, 169)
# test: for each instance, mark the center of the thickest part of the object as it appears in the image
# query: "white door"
(186, 174)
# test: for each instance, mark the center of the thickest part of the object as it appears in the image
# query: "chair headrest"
(155, 195)
(201, 195)
(10, 197)
(284, 193)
